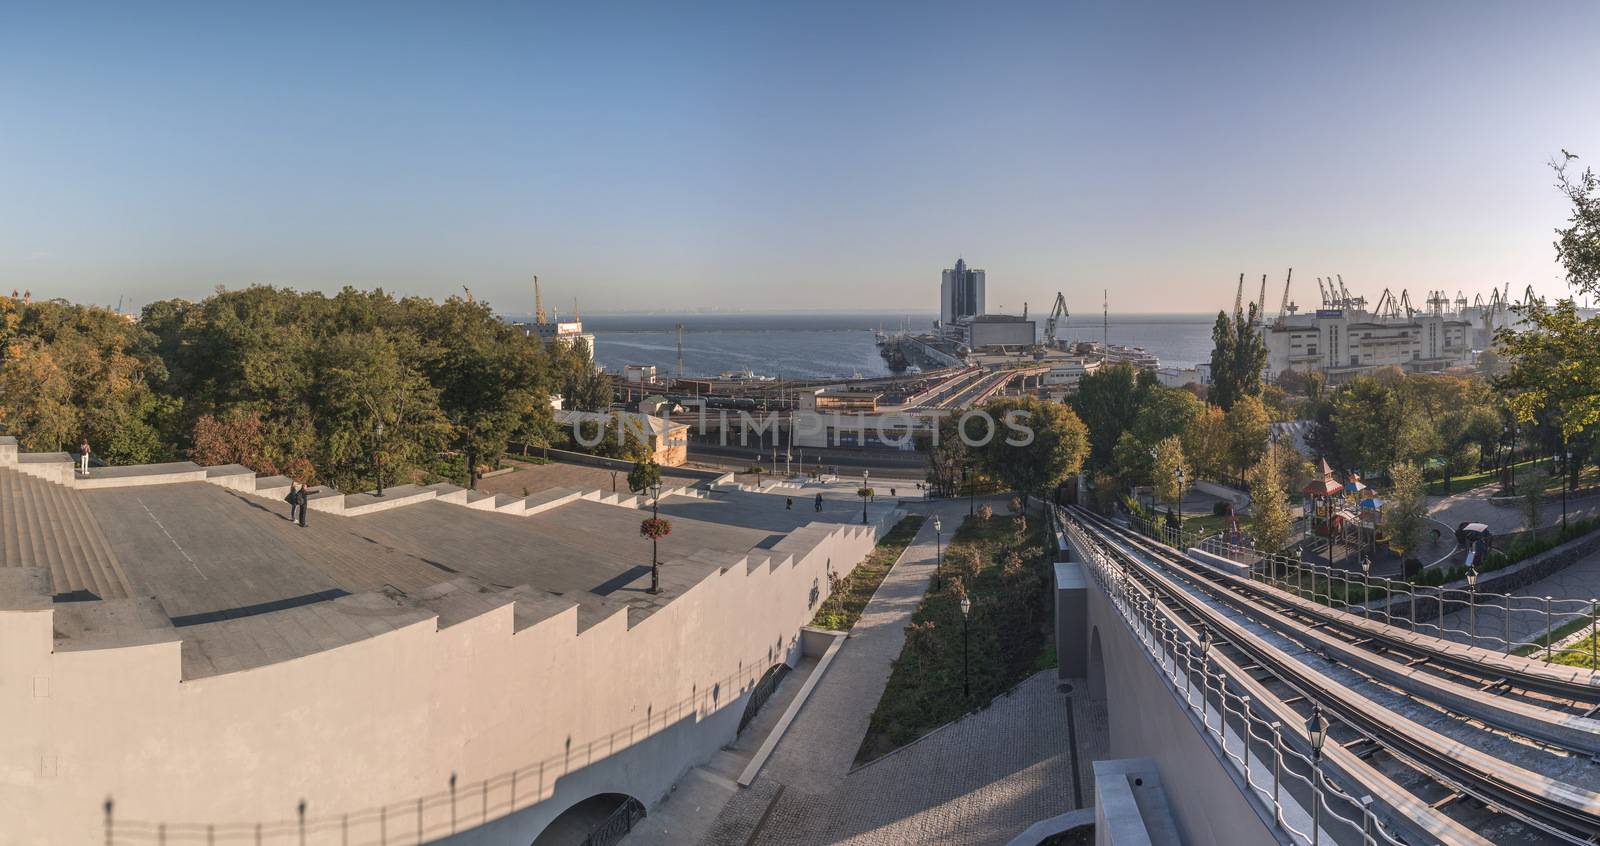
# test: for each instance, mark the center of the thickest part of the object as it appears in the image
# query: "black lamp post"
(972, 488)
(1566, 482)
(1317, 731)
(1366, 585)
(938, 555)
(1472, 604)
(377, 456)
(864, 489)
(655, 514)
(966, 610)
(1180, 503)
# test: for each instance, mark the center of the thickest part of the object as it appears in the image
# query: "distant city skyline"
(651, 158)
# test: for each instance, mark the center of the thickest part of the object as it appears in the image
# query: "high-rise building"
(960, 293)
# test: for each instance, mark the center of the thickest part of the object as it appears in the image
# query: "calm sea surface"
(815, 345)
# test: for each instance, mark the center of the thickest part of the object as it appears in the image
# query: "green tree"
(1270, 520)
(1108, 403)
(1164, 469)
(1407, 509)
(1054, 448)
(1224, 382)
(1250, 427)
(644, 476)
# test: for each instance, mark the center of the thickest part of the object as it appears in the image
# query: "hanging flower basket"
(655, 528)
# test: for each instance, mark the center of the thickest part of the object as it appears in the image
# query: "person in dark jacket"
(819, 503)
(305, 501)
(293, 499)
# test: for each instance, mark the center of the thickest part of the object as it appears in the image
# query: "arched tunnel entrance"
(600, 820)
(762, 692)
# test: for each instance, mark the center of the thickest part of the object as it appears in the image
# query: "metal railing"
(616, 826)
(1286, 780)
(1504, 622)
(763, 691)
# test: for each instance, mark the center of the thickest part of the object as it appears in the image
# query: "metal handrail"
(1179, 658)
(1381, 595)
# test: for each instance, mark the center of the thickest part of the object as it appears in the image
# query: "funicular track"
(1438, 769)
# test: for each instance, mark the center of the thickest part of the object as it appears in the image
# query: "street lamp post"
(1180, 503)
(655, 514)
(1566, 482)
(966, 610)
(1317, 731)
(1366, 585)
(938, 555)
(1472, 605)
(377, 457)
(972, 487)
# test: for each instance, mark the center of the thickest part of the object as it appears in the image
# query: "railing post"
(1593, 619)
(1508, 624)
(1549, 628)
(1277, 771)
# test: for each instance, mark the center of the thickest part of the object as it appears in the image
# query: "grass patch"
(1005, 576)
(850, 593)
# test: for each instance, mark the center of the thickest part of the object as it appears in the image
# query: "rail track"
(1280, 639)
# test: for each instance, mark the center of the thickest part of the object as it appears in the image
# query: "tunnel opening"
(600, 820)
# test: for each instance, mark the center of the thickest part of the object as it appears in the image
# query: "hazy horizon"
(829, 157)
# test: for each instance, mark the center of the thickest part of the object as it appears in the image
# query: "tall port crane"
(1286, 308)
(1057, 314)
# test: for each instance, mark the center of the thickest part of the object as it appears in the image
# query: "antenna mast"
(680, 350)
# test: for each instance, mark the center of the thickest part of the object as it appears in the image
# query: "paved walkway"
(979, 780)
(1579, 581)
(1474, 507)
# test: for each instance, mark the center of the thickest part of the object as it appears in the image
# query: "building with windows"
(1341, 342)
(960, 293)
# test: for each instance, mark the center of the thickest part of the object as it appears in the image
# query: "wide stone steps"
(50, 526)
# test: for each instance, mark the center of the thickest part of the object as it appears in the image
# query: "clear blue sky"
(788, 154)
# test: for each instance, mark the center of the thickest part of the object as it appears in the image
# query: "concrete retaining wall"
(1207, 798)
(525, 721)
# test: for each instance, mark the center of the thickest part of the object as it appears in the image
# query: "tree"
(1224, 384)
(1250, 428)
(1208, 443)
(1054, 448)
(236, 437)
(1108, 402)
(1238, 357)
(1555, 361)
(1270, 520)
(644, 476)
(1407, 509)
(1164, 471)
(37, 397)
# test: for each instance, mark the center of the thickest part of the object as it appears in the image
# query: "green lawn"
(1008, 634)
(842, 608)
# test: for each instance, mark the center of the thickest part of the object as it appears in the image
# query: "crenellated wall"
(528, 722)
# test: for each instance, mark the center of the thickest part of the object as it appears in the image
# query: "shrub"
(985, 512)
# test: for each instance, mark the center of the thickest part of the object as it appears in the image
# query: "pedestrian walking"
(892, 493)
(788, 503)
(85, 450)
(293, 498)
(819, 503)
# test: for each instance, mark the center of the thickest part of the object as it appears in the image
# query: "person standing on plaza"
(305, 502)
(293, 499)
(84, 449)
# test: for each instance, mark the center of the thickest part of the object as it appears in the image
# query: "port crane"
(1057, 314)
(1286, 308)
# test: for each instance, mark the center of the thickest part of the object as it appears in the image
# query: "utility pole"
(680, 350)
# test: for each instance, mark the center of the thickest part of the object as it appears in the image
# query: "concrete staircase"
(48, 526)
(58, 468)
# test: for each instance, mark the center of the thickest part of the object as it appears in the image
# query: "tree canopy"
(339, 387)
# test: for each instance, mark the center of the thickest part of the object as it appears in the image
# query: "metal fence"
(1295, 786)
(616, 826)
(1502, 622)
